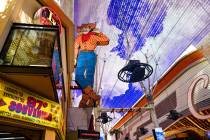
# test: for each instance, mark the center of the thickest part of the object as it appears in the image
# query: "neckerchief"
(86, 37)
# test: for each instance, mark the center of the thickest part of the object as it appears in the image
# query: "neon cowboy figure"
(85, 60)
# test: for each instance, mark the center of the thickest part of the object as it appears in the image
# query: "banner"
(20, 104)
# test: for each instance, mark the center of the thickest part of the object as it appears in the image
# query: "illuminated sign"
(46, 16)
(192, 109)
(208, 134)
(19, 104)
(86, 134)
(158, 134)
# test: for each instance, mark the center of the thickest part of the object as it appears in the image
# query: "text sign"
(19, 104)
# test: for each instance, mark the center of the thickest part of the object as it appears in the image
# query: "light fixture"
(135, 72)
(174, 115)
(104, 118)
(143, 131)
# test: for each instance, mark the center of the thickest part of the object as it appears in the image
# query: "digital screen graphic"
(160, 30)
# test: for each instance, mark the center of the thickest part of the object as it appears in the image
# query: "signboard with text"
(19, 104)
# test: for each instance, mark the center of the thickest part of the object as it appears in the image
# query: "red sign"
(46, 16)
(86, 134)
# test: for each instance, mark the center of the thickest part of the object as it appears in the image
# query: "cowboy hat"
(88, 25)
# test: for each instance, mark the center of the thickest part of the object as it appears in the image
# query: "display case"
(31, 57)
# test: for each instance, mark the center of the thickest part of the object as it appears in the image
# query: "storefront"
(36, 62)
(182, 89)
(20, 106)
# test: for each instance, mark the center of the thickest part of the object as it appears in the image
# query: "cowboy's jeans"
(85, 69)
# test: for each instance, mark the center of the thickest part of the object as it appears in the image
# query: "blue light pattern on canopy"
(130, 16)
(132, 94)
(161, 29)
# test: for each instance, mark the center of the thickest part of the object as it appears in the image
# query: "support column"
(154, 116)
(49, 134)
(96, 115)
(150, 100)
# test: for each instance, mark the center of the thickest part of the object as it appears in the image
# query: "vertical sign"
(158, 134)
(46, 16)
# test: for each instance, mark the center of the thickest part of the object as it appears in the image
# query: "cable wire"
(133, 47)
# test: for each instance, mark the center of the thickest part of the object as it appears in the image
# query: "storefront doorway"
(19, 133)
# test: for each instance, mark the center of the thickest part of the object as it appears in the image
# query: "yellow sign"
(19, 104)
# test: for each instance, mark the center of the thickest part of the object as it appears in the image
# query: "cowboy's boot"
(90, 92)
(86, 101)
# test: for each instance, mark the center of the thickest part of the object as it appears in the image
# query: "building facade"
(36, 66)
(181, 89)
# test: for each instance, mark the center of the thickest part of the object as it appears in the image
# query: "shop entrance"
(19, 133)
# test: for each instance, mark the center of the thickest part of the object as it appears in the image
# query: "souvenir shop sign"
(19, 104)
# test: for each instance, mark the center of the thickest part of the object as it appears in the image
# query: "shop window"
(30, 46)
